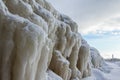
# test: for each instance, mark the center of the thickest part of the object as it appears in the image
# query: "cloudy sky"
(98, 20)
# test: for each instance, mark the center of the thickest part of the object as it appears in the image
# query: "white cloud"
(105, 26)
(116, 33)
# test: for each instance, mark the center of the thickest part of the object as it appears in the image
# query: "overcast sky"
(98, 20)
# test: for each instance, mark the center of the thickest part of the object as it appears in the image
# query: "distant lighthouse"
(112, 57)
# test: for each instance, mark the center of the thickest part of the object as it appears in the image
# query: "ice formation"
(39, 43)
(96, 59)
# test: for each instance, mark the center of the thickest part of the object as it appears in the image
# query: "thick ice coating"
(39, 43)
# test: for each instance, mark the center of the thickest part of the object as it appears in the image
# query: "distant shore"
(112, 59)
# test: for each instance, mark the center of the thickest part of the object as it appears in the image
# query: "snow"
(53, 76)
(113, 74)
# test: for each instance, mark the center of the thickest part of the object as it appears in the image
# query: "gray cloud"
(88, 13)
